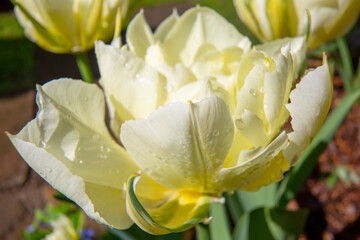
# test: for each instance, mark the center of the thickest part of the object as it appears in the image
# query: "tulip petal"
(273, 173)
(181, 145)
(259, 7)
(297, 49)
(197, 27)
(165, 26)
(247, 16)
(310, 102)
(139, 35)
(69, 145)
(249, 170)
(134, 88)
(177, 75)
(50, 13)
(176, 212)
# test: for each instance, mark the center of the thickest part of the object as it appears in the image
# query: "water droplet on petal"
(49, 170)
(103, 156)
(270, 154)
(96, 137)
(43, 144)
(266, 106)
(252, 91)
(128, 66)
(216, 133)
(81, 161)
(137, 75)
(239, 123)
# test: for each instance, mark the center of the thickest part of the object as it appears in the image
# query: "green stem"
(347, 67)
(298, 175)
(219, 225)
(202, 232)
(357, 77)
(84, 67)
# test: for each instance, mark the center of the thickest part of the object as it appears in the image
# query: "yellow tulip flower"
(68, 26)
(272, 19)
(193, 111)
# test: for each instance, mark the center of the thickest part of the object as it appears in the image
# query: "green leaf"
(202, 232)
(298, 175)
(264, 197)
(234, 206)
(270, 224)
(134, 233)
(346, 68)
(289, 224)
(219, 225)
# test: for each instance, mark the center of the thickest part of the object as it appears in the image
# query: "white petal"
(134, 88)
(199, 26)
(241, 175)
(181, 145)
(69, 145)
(310, 102)
(165, 26)
(298, 49)
(139, 35)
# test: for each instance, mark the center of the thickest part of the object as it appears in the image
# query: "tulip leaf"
(264, 197)
(202, 232)
(219, 225)
(270, 223)
(347, 66)
(134, 233)
(298, 175)
(235, 207)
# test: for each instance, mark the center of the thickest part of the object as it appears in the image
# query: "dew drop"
(81, 161)
(105, 25)
(252, 91)
(43, 144)
(266, 106)
(103, 156)
(168, 88)
(271, 154)
(49, 170)
(216, 133)
(239, 123)
(128, 66)
(137, 75)
(317, 111)
(96, 137)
